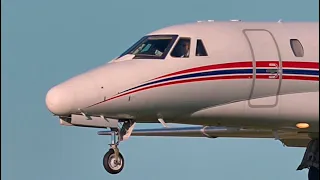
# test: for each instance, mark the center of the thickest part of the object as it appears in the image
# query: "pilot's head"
(186, 45)
(185, 48)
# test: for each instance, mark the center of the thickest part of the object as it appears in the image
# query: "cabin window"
(296, 47)
(182, 48)
(151, 47)
(200, 49)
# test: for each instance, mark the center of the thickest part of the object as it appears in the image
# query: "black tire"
(107, 162)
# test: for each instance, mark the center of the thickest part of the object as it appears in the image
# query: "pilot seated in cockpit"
(185, 49)
(182, 49)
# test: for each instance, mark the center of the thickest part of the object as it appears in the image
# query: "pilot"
(185, 49)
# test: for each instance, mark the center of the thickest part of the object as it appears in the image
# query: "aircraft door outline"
(256, 37)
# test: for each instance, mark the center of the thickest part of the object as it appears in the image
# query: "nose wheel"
(113, 161)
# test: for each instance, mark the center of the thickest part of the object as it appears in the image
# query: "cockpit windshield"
(151, 47)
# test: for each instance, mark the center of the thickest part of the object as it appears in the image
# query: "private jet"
(231, 79)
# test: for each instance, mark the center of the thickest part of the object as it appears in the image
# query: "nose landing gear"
(113, 161)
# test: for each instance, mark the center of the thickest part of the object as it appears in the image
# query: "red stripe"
(210, 79)
(185, 81)
(290, 64)
(288, 77)
(293, 64)
(285, 64)
(260, 64)
(210, 67)
(258, 76)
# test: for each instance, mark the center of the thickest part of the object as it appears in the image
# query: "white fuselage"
(250, 77)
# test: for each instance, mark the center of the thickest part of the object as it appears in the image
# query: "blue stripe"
(201, 74)
(210, 73)
(301, 72)
(227, 72)
(292, 71)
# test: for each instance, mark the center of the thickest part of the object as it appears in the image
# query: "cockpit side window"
(182, 48)
(152, 47)
(200, 49)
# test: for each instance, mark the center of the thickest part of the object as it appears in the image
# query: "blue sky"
(45, 42)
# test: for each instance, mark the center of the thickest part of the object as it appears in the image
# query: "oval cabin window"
(296, 47)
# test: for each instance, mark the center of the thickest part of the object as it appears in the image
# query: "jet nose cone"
(59, 100)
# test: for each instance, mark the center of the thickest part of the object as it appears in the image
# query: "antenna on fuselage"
(210, 20)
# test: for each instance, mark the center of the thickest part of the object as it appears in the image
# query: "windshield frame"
(173, 37)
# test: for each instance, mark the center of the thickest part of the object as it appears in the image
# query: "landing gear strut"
(113, 161)
(311, 160)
